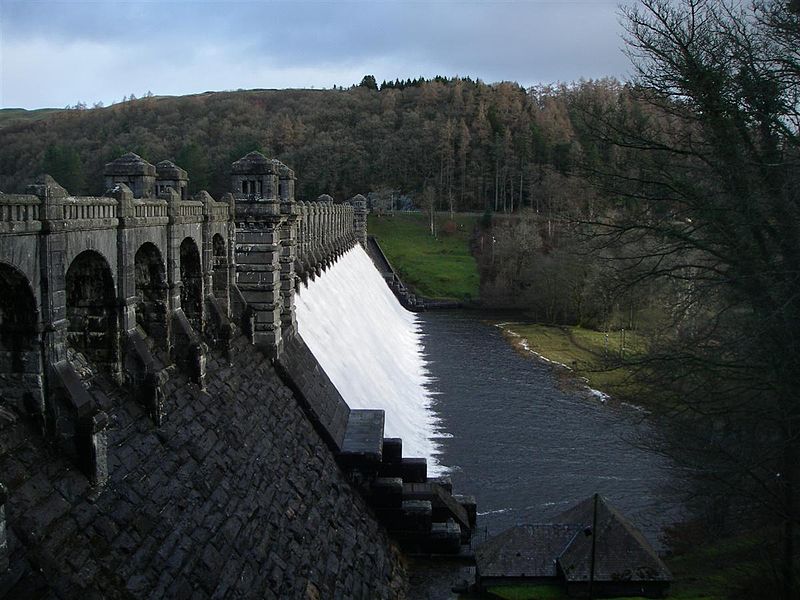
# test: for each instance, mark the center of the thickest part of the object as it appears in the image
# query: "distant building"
(625, 564)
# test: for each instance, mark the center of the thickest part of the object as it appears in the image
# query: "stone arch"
(192, 280)
(151, 291)
(91, 309)
(220, 266)
(20, 348)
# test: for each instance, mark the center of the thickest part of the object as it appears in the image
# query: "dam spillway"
(372, 349)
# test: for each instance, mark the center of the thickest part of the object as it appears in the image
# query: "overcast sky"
(55, 53)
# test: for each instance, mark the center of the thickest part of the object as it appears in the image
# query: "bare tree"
(708, 195)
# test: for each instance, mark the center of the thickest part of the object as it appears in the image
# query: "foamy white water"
(371, 348)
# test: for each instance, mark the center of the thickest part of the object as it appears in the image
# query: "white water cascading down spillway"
(372, 350)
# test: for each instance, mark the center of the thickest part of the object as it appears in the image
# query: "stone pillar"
(230, 245)
(313, 230)
(351, 232)
(53, 270)
(53, 267)
(287, 252)
(126, 266)
(340, 228)
(207, 251)
(173, 250)
(335, 240)
(319, 234)
(360, 218)
(94, 447)
(258, 249)
(326, 205)
(300, 248)
(4, 550)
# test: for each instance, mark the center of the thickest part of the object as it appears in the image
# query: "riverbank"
(584, 358)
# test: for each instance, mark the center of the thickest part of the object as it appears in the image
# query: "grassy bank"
(590, 354)
(440, 267)
(529, 592)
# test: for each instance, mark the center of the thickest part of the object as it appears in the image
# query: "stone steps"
(421, 514)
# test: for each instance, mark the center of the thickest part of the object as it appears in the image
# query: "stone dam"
(164, 429)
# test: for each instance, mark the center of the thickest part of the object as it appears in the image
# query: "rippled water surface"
(528, 450)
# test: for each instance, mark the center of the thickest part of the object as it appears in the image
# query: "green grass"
(739, 567)
(440, 267)
(588, 353)
(537, 592)
(529, 592)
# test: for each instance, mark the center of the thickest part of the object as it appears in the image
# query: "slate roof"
(129, 164)
(283, 170)
(524, 551)
(254, 163)
(535, 551)
(167, 169)
(621, 551)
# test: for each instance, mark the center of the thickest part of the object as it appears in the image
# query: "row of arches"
(91, 304)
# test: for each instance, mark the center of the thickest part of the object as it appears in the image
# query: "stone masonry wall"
(235, 495)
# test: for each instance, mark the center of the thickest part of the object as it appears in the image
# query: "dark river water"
(526, 449)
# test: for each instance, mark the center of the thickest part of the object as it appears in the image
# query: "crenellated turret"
(254, 176)
(135, 172)
(168, 174)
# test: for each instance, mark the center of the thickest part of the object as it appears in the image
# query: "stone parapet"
(19, 213)
(149, 256)
(325, 231)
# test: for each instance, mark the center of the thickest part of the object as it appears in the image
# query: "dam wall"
(164, 430)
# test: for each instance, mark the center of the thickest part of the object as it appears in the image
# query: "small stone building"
(625, 564)
(523, 554)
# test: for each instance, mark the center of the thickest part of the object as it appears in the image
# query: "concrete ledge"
(325, 407)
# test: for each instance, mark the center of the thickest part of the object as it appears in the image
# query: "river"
(528, 450)
(493, 419)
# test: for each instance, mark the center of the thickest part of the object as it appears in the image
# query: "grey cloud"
(526, 41)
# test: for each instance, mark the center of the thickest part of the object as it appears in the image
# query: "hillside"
(16, 116)
(475, 144)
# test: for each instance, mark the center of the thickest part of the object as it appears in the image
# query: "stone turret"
(168, 174)
(135, 172)
(255, 176)
(286, 180)
(262, 257)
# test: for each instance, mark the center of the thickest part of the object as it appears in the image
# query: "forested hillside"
(477, 146)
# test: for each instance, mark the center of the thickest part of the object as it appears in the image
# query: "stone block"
(256, 278)
(444, 538)
(414, 470)
(387, 492)
(392, 450)
(445, 482)
(470, 506)
(266, 237)
(4, 550)
(416, 516)
(260, 295)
